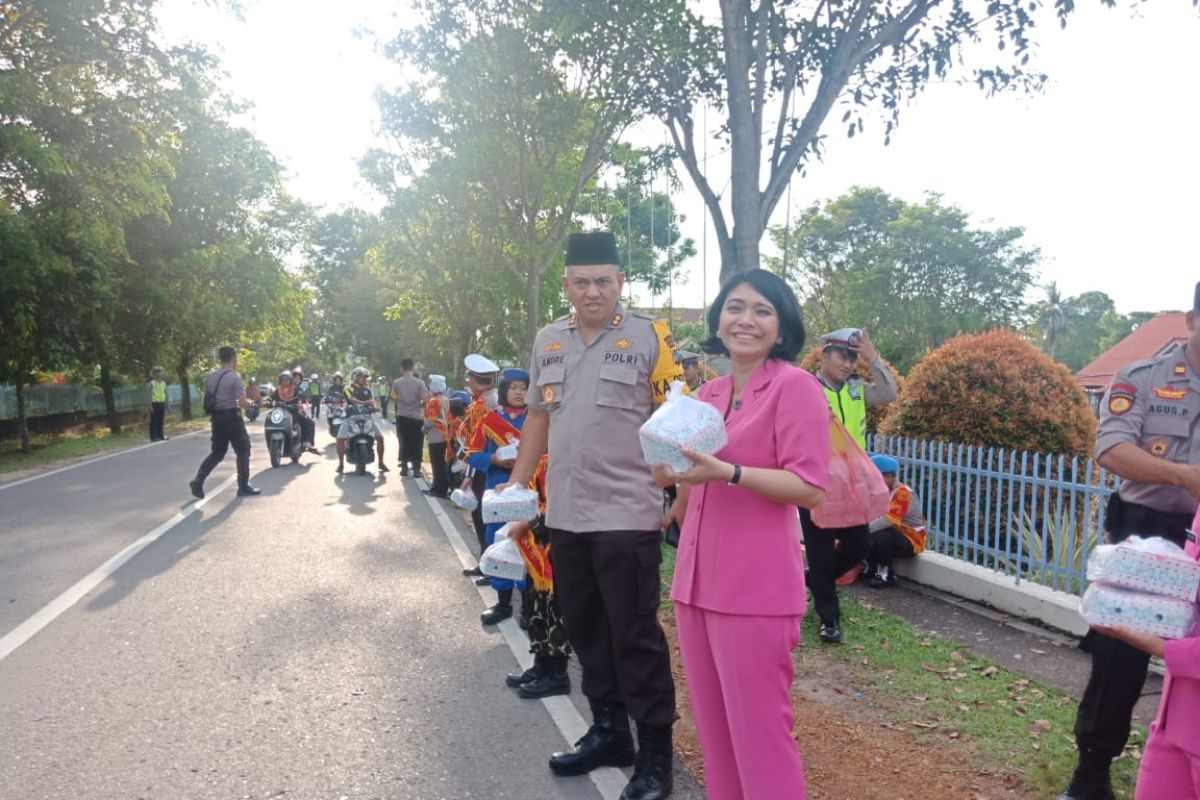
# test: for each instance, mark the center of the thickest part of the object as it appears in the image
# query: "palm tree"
(1052, 317)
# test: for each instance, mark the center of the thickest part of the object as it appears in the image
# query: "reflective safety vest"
(158, 391)
(849, 404)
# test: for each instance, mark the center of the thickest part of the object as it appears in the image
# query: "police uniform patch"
(548, 395)
(1167, 393)
(1119, 403)
(1180, 369)
(622, 344)
(1123, 388)
(553, 347)
(1158, 448)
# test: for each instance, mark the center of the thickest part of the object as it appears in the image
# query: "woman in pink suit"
(739, 575)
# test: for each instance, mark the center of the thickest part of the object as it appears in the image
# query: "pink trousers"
(739, 678)
(1167, 773)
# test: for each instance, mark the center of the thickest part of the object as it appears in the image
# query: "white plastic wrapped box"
(681, 422)
(514, 504)
(464, 500)
(1112, 606)
(503, 559)
(1152, 565)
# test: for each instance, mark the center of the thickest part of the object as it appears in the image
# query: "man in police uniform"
(596, 376)
(1148, 437)
(157, 390)
(225, 386)
(831, 552)
(693, 370)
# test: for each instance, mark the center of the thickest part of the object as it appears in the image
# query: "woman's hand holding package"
(1146, 642)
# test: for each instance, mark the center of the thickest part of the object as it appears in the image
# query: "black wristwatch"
(737, 475)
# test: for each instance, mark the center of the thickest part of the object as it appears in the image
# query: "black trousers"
(1105, 711)
(308, 429)
(158, 413)
(478, 485)
(608, 589)
(316, 406)
(441, 470)
(829, 553)
(412, 441)
(887, 545)
(227, 429)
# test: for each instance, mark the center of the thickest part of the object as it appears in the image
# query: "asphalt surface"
(315, 642)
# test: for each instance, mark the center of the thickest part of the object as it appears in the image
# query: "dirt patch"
(852, 750)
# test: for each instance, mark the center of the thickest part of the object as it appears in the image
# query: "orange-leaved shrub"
(875, 414)
(994, 389)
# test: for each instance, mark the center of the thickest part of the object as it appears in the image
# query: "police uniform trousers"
(888, 545)
(478, 486)
(227, 429)
(441, 470)
(158, 413)
(828, 553)
(608, 589)
(1118, 670)
(411, 434)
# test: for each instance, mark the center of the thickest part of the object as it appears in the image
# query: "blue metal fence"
(53, 398)
(1034, 516)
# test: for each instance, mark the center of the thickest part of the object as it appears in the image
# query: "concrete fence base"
(972, 582)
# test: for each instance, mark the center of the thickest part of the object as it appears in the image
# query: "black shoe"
(484, 581)
(496, 614)
(552, 681)
(248, 491)
(432, 493)
(883, 578)
(403, 472)
(197, 489)
(607, 743)
(516, 679)
(652, 774)
(831, 634)
(1089, 781)
(522, 621)
(473, 572)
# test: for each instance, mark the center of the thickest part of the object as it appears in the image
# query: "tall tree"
(1052, 316)
(913, 274)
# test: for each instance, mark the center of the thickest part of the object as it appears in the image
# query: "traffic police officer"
(596, 376)
(157, 389)
(1148, 437)
(832, 552)
(225, 387)
(693, 370)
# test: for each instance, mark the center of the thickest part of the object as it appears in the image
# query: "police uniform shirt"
(229, 390)
(598, 395)
(1154, 404)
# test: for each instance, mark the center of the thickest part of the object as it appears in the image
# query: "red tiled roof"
(1151, 338)
(678, 314)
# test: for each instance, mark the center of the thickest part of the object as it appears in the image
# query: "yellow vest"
(849, 404)
(158, 391)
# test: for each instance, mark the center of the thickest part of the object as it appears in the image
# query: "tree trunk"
(110, 402)
(745, 142)
(22, 421)
(185, 389)
(533, 311)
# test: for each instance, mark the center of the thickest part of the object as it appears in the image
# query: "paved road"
(316, 642)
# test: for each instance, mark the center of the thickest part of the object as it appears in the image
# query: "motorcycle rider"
(288, 394)
(314, 394)
(359, 394)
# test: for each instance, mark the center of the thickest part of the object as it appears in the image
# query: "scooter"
(252, 410)
(335, 412)
(360, 445)
(282, 430)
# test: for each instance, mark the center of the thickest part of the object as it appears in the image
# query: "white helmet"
(358, 371)
(312, 377)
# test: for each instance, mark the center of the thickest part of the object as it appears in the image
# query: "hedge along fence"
(1034, 516)
(50, 399)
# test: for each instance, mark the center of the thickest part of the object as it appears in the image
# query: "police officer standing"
(831, 552)
(228, 394)
(596, 376)
(157, 390)
(1148, 437)
(693, 371)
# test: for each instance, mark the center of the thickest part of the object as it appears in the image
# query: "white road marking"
(52, 610)
(93, 460)
(610, 781)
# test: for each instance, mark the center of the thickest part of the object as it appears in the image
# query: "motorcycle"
(282, 430)
(253, 409)
(360, 445)
(335, 412)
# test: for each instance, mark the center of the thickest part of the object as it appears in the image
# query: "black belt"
(1124, 517)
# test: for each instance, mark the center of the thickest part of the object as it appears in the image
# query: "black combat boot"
(1090, 781)
(552, 681)
(653, 777)
(607, 743)
(515, 679)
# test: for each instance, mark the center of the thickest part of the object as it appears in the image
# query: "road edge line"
(609, 781)
(41, 618)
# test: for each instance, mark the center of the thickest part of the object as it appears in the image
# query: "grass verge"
(50, 449)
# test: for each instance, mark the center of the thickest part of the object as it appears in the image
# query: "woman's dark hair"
(778, 294)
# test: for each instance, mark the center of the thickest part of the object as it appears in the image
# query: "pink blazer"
(739, 553)
(1179, 710)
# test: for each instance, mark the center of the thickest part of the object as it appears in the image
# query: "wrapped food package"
(681, 422)
(514, 504)
(1152, 565)
(1112, 606)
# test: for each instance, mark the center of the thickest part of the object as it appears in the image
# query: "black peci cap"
(598, 247)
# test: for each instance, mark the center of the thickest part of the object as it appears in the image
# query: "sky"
(1102, 169)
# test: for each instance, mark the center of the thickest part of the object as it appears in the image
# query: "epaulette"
(1137, 366)
(646, 317)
